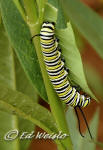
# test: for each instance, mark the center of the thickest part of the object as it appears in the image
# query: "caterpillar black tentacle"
(75, 108)
(57, 72)
(85, 122)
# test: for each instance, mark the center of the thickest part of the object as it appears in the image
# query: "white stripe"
(65, 74)
(72, 95)
(57, 69)
(44, 33)
(45, 38)
(78, 98)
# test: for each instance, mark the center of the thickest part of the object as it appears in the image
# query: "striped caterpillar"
(56, 70)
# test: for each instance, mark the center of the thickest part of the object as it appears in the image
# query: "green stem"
(30, 7)
(14, 117)
(55, 103)
(41, 6)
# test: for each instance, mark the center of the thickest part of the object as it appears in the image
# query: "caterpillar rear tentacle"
(56, 70)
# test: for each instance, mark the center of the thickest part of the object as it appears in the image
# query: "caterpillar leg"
(63, 60)
(78, 89)
(66, 69)
(57, 40)
(59, 49)
(85, 94)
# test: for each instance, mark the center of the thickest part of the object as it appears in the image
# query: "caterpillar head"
(50, 25)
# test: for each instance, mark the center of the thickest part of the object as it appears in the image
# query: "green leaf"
(7, 123)
(20, 36)
(93, 77)
(25, 126)
(21, 77)
(74, 133)
(7, 77)
(87, 22)
(6, 60)
(13, 79)
(60, 20)
(73, 59)
(26, 88)
(17, 103)
(50, 13)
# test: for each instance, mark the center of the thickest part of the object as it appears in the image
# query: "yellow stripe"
(51, 58)
(67, 91)
(74, 102)
(54, 67)
(57, 77)
(80, 100)
(61, 84)
(47, 41)
(49, 49)
(67, 100)
(47, 29)
(85, 104)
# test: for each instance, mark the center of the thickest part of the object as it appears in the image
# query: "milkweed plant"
(23, 75)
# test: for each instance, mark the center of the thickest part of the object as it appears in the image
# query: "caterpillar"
(57, 72)
(56, 69)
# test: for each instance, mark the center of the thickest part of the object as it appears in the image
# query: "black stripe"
(71, 99)
(46, 35)
(51, 65)
(48, 44)
(49, 38)
(49, 62)
(55, 70)
(57, 67)
(62, 88)
(48, 27)
(67, 94)
(54, 81)
(48, 47)
(51, 52)
(60, 82)
(54, 74)
(50, 55)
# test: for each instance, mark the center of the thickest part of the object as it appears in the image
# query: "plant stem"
(55, 103)
(41, 7)
(30, 7)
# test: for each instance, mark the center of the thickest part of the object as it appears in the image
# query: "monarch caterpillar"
(56, 70)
